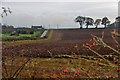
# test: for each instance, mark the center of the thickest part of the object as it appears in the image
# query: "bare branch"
(99, 41)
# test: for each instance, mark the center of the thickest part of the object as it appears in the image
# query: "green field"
(8, 37)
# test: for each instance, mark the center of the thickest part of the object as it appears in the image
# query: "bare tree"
(89, 21)
(105, 21)
(117, 21)
(97, 22)
(80, 20)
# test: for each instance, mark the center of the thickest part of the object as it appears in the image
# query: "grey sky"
(53, 13)
(60, 0)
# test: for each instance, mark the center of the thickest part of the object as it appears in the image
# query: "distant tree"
(11, 26)
(118, 19)
(105, 21)
(89, 21)
(7, 26)
(117, 22)
(18, 31)
(31, 32)
(23, 32)
(97, 22)
(4, 26)
(80, 20)
(14, 33)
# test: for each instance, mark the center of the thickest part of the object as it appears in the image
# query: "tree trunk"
(96, 26)
(87, 26)
(80, 25)
(105, 25)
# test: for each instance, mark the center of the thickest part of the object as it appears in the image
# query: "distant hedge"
(18, 38)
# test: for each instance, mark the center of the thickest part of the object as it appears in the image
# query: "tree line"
(89, 21)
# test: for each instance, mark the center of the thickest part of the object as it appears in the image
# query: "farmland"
(45, 55)
(61, 42)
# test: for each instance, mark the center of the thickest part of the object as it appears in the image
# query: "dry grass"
(46, 67)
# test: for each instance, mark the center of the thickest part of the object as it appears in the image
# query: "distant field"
(63, 42)
(82, 35)
(7, 37)
(13, 36)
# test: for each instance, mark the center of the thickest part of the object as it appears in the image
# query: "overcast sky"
(60, 0)
(53, 13)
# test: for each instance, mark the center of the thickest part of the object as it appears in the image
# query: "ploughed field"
(62, 41)
(31, 58)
